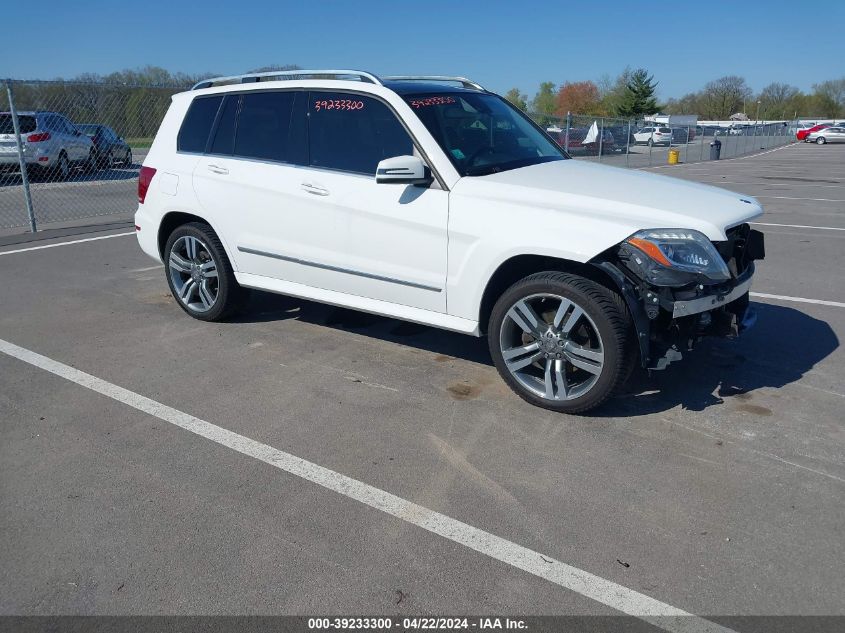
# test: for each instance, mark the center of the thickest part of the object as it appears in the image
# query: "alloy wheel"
(193, 273)
(552, 347)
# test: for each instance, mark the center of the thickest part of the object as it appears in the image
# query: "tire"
(568, 372)
(650, 142)
(90, 165)
(61, 171)
(821, 140)
(215, 294)
(127, 159)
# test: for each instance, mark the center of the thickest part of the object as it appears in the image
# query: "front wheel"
(199, 273)
(821, 140)
(560, 341)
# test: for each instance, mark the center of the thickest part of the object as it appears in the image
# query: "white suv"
(444, 205)
(654, 136)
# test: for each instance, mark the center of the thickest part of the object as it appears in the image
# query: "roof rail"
(466, 83)
(359, 75)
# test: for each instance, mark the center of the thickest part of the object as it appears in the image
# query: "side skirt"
(364, 304)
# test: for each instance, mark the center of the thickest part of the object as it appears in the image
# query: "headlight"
(679, 251)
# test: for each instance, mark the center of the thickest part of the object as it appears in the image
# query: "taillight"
(37, 138)
(145, 177)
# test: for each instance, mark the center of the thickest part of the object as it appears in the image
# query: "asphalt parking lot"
(716, 487)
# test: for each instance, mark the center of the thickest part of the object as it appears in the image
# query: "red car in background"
(801, 135)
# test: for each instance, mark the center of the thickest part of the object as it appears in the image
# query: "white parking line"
(800, 226)
(87, 239)
(762, 295)
(788, 198)
(771, 184)
(594, 587)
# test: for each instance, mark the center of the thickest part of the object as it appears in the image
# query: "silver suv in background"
(51, 143)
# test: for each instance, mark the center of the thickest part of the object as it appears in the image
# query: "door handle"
(216, 169)
(315, 189)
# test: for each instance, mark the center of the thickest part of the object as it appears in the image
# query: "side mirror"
(403, 170)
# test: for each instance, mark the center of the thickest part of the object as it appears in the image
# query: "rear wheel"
(90, 165)
(127, 159)
(560, 341)
(821, 140)
(199, 273)
(62, 169)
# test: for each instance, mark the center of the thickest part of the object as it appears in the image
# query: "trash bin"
(674, 156)
(715, 149)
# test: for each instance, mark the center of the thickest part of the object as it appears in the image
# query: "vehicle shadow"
(264, 307)
(784, 345)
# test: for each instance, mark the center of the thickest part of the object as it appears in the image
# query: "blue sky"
(501, 44)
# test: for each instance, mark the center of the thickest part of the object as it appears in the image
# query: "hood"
(627, 197)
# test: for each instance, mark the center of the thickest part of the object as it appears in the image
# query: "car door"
(68, 139)
(250, 183)
(394, 236)
(78, 148)
(58, 135)
(837, 135)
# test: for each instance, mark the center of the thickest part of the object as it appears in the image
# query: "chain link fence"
(81, 146)
(70, 151)
(638, 143)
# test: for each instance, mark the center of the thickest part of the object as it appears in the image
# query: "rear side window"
(664, 130)
(224, 137)
(7, 126)
(193, 135)
(351, 132)
(264, 123)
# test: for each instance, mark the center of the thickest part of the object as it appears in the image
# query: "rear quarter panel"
(171, 189)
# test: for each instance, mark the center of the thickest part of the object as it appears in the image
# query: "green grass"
(140, 142)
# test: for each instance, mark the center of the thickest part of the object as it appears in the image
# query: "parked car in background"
(622, 136)
(802, 135)
(52, 145)
(833, 134)
(577, 141)
(683, 134)
(654, 136)
(110, 148)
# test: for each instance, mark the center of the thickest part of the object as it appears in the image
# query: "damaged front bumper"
(711, 302)
(670, 321)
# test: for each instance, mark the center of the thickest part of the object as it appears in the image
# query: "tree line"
(132, 102)
(632, 94)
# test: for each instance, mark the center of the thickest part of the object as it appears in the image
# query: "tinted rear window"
(7, 126)
(664, 130)
(196, 127)
(224, 136)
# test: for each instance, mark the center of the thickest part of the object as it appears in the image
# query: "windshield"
(482, 133)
